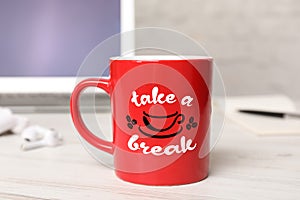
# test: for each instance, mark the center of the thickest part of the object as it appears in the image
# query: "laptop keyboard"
(34, 99)
(51, 102)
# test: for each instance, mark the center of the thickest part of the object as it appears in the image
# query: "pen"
(270, 113)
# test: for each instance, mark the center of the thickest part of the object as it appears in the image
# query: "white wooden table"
(243, 166)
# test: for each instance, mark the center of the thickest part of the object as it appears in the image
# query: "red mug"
(161, 109)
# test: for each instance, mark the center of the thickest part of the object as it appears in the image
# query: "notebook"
(263, 125)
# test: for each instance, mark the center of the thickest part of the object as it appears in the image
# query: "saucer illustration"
(170, 128)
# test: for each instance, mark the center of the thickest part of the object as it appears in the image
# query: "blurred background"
(255, 43)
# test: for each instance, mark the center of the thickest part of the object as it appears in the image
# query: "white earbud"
(50, 138)
(7, 120)
(35, 136)
(11, 122)
(33, 133)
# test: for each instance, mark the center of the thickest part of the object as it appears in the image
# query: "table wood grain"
(243, 166)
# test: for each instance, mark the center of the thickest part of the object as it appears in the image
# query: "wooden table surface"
(243, 166)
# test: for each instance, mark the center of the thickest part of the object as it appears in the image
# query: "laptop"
(43, 44)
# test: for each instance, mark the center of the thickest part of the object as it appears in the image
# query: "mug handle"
(97, 142)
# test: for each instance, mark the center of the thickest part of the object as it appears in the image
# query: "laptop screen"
(52, 37)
